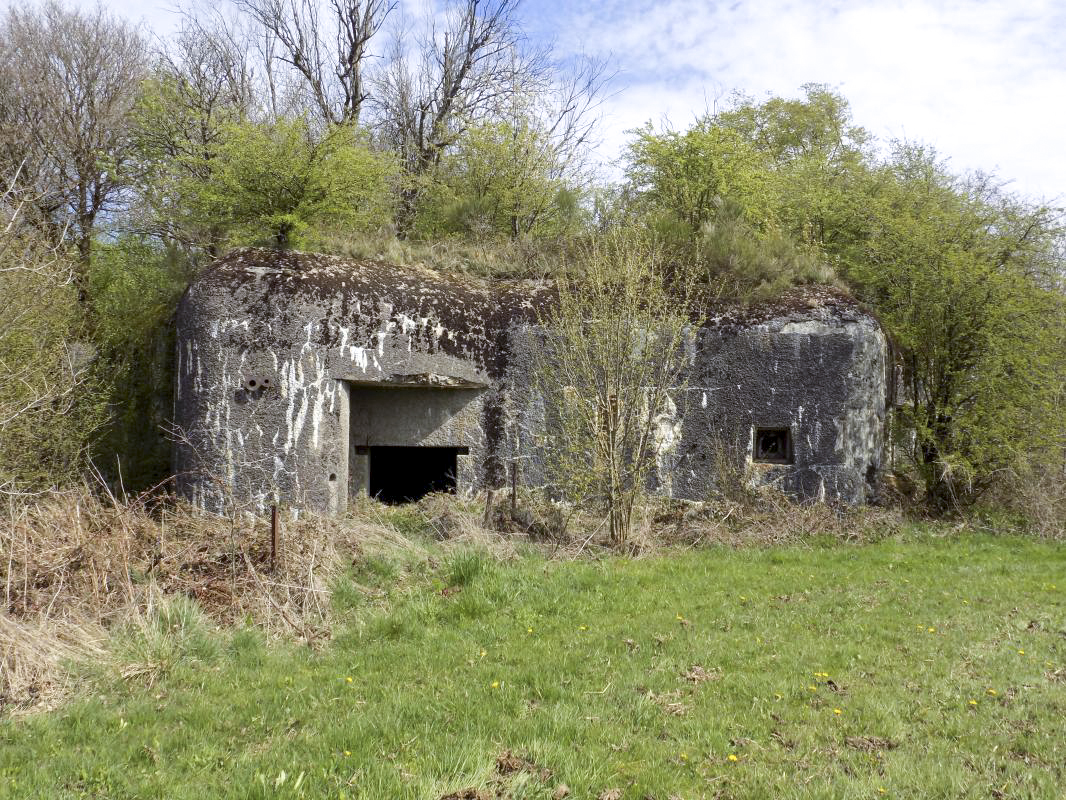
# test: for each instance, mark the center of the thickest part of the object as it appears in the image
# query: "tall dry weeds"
(77, 566)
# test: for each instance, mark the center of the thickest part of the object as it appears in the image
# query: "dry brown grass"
(1041, 499)
(77, 567)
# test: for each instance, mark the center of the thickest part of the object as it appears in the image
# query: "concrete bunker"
(309, 379)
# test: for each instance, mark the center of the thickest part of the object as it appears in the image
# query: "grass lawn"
(914, 667)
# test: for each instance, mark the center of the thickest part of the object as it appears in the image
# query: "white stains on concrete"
(361, 357)
(667, 435)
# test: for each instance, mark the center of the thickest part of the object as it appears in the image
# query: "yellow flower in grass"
(583, 627)
(348, 679)
(973, 702)
(990, 692)
(495, 684)
(837, 711)
(1021, 652)
(347, 752)
(529, 630)
(733, 757)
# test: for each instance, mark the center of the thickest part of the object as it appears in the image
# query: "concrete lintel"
(423, 380)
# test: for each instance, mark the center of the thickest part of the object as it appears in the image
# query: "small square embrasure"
(773, 446)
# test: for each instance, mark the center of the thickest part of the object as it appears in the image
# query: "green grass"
(945, 658)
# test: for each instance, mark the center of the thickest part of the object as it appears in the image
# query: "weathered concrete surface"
(821, 376)
(291, 365)
(271, 346)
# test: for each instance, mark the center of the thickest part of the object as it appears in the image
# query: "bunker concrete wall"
(287, 364)
(820, 373)
(823, 380)
(269, 345)
(383, 416)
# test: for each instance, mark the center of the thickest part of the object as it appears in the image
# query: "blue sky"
(984, 81)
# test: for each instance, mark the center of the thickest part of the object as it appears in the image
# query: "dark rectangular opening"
(407, 474)
(772, 446)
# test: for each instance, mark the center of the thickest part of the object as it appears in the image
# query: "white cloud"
(983, 81)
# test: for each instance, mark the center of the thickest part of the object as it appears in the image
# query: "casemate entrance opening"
(407, 441)
(407, 474)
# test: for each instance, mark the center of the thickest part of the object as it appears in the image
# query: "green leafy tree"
(693, 174)
(199, 86)
(966, 278)
(276, 183)
(136, 285)
(756, 190)
(961, 277)
(502, 179)
(50, 404)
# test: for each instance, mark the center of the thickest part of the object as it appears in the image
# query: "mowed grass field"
(918, 666)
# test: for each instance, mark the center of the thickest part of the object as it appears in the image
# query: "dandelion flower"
(991, 692)
(881, 790)
(732, 757)
(684, 756)
(347, 752)
(837, 711)
(1021, 652)
(973, 702)
(348, 679)
(483, 653)
(529, 630)
(583, 628)
(932, 630)
(495, 684)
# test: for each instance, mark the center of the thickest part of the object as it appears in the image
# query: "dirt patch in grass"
(697, 675)
(507, 763)
(869, 744)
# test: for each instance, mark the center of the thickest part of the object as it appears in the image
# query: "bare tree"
(612, 364)
(464, 68)
(69, 81)
(204, 78)
(328, 50)
(475, 65)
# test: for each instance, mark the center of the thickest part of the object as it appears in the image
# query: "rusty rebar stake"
(275, 538)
